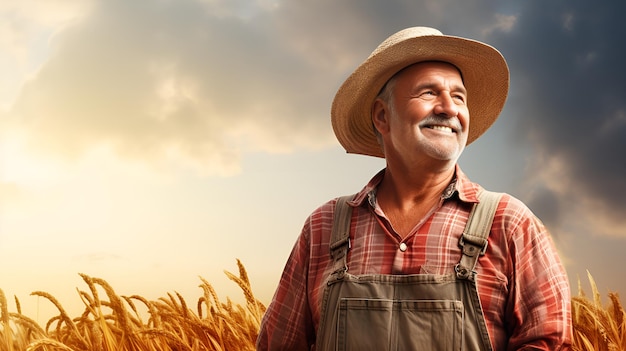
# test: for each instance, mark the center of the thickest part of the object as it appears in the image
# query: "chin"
(445, 154)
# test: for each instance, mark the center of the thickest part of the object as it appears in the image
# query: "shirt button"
(403, 247)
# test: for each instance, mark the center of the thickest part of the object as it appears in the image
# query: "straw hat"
(484, 70)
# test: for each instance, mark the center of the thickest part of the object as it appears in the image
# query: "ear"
(380, 116)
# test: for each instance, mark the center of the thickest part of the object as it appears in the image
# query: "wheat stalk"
(597, 328)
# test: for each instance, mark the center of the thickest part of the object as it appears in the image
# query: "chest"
(431, 247)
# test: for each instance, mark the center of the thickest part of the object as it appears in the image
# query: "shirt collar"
(461, 185)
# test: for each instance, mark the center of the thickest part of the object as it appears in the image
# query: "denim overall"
(406, 312)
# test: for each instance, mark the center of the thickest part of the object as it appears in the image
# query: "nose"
(446, 106)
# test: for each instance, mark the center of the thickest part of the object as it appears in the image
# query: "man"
(397, 281)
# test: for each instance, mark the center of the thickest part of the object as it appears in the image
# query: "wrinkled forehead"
(393, 78)
(422, 63)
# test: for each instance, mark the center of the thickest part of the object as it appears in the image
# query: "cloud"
(504, 23)
(566, 62)
(26, 26)
(152, 80)
(200, 82)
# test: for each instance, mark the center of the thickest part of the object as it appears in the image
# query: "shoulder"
(323, 212)
(519, 227)
(318, 225)
(512, 212)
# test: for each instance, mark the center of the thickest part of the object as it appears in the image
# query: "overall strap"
(473, 242)
(340, 236)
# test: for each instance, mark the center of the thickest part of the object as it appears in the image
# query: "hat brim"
(485, 76)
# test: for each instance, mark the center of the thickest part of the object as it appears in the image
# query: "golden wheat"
(115, 323)
(597, 328)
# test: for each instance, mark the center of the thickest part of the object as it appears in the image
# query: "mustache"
(432, 120)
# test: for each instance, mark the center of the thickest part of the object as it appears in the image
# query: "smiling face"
(425, 117)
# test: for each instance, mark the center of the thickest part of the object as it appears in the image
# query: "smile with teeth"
(441, 128)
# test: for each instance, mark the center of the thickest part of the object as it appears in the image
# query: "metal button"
(403, 247)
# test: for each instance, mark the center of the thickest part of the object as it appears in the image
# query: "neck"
(408, 197)
(405, 188)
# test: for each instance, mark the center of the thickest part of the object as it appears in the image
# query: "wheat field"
(115, 323)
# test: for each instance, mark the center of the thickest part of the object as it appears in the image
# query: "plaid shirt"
(522, 284)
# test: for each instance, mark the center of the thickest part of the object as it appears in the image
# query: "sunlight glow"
(18, 166)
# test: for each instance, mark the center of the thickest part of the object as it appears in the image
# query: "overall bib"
(406, 312)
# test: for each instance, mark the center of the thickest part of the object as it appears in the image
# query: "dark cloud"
(567, 67)
(547, 203)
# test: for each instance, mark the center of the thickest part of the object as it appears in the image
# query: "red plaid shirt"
(522, 284)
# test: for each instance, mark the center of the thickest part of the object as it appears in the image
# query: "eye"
(459, 97)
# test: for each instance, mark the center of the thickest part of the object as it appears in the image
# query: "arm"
(539, 307)
(287, 323)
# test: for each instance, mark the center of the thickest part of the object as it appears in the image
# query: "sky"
(153, 142)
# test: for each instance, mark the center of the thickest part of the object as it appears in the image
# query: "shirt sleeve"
(539, 307)
(287, 323)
